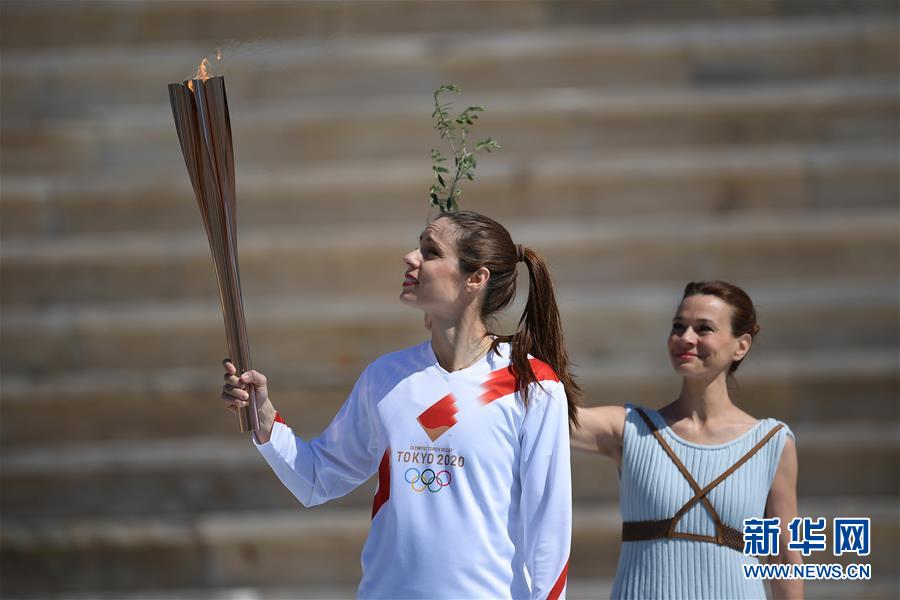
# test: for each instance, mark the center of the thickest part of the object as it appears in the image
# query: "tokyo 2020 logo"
(427, 479)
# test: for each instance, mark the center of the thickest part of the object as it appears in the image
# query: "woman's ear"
(744, 342)
(477, 280)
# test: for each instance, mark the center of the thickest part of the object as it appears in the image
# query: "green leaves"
(446, 87)
(487, 145)
(468, 116)
(454, 131)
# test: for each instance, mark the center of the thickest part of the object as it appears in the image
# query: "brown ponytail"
(483, 242)
(540, 334)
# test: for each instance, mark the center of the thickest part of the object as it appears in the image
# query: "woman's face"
(434, 282)
(701, 343)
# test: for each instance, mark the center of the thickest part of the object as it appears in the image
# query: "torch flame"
(202, 73)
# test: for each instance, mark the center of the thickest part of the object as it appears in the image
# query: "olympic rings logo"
(427, 479)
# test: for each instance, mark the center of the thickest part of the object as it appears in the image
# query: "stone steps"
(142, 404)
(202, 475)
(43, 82)
(763, 178)
(278, 135)
(41, 24)
(600, 323)
(297, 547)
(368, 260)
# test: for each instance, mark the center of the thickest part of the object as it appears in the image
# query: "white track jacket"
(474, 492)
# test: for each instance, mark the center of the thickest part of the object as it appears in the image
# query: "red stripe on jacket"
(560, 584)
(384, 483)
(502, 382)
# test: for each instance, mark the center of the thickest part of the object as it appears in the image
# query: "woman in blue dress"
(691, 472)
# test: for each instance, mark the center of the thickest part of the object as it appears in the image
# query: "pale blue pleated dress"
(652, 488)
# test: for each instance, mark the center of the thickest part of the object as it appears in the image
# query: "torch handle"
(248, 415)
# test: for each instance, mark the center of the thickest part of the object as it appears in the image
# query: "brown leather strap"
(712, 484)
(665, 528)
(635, 531)
(733, 538)
(684, 472)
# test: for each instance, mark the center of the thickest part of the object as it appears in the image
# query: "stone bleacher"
(645, 144)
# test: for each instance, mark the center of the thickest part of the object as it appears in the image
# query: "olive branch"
(444, 194)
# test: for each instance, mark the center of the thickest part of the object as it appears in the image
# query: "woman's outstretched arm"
(600, 431)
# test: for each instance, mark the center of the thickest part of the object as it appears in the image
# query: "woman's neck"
(459, 343)
(701, 401)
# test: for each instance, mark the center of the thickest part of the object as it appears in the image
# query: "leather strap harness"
(633, 531)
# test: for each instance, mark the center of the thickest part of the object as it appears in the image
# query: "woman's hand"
(235, 394)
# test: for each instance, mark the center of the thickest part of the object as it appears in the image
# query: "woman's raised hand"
(234, 392)
(235, 396)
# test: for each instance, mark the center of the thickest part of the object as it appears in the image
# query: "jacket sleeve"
(546, 503)
(345, 455)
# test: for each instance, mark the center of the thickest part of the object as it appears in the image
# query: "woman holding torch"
(468, 432)
(692, 472)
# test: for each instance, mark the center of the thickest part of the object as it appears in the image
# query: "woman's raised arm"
(600, 431)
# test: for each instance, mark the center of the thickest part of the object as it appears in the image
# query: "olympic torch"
(200, 109)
